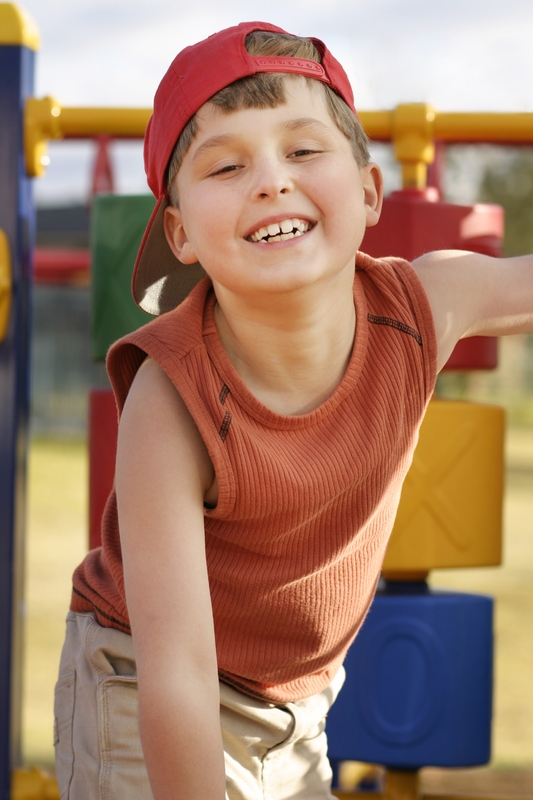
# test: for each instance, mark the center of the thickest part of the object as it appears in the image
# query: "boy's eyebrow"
(212, 143)
(309, 123)
(306, 122)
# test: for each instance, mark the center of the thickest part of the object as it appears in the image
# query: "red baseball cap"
(160, 281)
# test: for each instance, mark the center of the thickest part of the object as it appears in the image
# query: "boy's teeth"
(280, 231)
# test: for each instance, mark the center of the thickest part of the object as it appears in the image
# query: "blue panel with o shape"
(418, 690)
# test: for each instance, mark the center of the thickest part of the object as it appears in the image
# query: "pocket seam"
(64, 728)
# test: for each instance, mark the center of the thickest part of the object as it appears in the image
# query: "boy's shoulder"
(392, 280)
(167, 339)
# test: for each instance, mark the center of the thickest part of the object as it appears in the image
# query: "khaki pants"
(274, 752)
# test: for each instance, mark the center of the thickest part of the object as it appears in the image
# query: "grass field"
(56, 543)
(57, 535)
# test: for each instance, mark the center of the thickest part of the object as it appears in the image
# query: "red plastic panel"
(52, 265)
(103, 432)
(414, 222)
(477, 352)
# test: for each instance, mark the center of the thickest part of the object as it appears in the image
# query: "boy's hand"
(475, 295)
(163, 473)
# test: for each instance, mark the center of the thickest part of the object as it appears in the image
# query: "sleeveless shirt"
(306, 503)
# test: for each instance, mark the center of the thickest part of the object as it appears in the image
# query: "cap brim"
(160, 281)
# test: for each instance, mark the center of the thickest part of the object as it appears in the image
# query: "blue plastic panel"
(419, 683)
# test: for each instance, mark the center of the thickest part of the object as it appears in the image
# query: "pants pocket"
(64, 701)
(123, 769)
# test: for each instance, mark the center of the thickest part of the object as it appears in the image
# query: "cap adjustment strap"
(299, 66)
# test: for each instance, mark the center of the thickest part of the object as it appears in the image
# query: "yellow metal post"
(401, 784)
(414, 147)
(41, 123)
(18, 27)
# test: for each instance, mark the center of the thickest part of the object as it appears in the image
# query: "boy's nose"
(272, 179)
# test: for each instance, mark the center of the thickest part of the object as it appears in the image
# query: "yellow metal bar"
(342, 795)
(413, 129)
(458, 127)
(463, 797)
(46, 119)
(484, 127)
(377, 124)
(119, 122)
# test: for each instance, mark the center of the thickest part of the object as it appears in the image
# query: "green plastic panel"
(117, 227)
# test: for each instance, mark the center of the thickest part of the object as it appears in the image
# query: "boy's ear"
(176, 236)
(372, 180)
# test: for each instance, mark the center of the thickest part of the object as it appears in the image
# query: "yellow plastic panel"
(450, 512)
(33, 784)
(18, 27)
(5, 284)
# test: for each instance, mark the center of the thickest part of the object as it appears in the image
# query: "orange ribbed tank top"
(306, 503)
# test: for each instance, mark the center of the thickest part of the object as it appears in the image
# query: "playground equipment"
(451, 496)
(18, 42)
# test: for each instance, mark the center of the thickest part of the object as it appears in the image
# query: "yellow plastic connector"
(46, 119)
(414, 146)
(450, 512)
(6, 284)
(18, 27)
(33, 784)
(41, 123)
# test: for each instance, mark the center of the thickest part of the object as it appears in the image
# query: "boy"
(266, 426)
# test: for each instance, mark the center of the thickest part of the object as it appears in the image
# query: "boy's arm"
(163, 472)
(476, 295)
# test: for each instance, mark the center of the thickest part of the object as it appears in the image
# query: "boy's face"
(272, 200)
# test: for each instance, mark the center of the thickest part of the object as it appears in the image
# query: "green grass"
(56, 543)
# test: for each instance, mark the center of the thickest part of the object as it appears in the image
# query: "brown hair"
(266, 90)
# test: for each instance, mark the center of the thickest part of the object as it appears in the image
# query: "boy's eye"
(302, 152)
(228, 168)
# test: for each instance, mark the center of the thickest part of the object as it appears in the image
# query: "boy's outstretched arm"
(163, 473)
(476, 295)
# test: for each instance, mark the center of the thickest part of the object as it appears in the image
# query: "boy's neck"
(291, 351)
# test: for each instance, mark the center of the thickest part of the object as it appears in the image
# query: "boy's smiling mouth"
(281, 231)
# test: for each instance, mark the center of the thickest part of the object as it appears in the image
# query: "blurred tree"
(502, 175)
(508, 180)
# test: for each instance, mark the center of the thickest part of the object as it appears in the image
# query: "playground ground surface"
(56, 543)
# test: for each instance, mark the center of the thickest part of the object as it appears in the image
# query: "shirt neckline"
(252, 405)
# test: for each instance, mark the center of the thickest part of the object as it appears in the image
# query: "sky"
(458, 55)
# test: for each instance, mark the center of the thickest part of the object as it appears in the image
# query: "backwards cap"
(160, 281)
